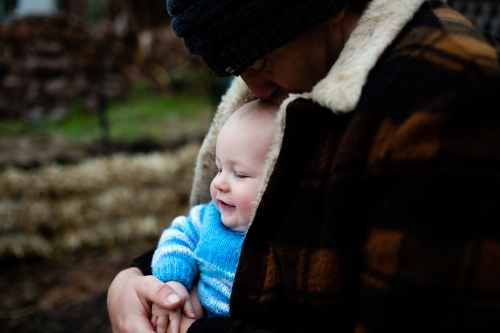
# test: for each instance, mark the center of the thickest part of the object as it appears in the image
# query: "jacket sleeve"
(143, 262)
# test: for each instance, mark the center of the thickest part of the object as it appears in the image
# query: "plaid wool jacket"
(381, 206)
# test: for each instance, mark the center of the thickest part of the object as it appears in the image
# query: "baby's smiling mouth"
(225, 205)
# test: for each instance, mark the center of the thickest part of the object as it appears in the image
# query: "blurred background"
(102, 112)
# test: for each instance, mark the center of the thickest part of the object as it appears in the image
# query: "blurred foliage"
(145, 114)
(161, 117)
(152, 88)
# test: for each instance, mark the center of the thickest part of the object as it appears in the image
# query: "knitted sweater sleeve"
(174, 258)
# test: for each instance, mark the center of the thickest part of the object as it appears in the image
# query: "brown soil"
(66, 294)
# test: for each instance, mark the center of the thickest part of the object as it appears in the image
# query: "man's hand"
(129, 301)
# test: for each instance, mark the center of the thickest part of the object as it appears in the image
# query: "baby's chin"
(234, 225)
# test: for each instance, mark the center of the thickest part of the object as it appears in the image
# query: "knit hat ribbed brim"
(230, 35)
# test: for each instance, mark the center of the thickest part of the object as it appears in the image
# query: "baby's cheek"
(213, 192)
(247, 202)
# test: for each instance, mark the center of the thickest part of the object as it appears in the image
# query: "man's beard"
(278, 97)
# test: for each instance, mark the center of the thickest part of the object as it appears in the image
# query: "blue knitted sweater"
(200, 243)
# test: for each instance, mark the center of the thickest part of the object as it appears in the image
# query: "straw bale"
(15, 183)
(69, 212)
(154, 168)
(30, 216)
(22, 245)
(127, 201)
(114, 203)
(106, 232)
(8, 216)
(58, 181)
(95, 174)
(100, 201)
(24, 215)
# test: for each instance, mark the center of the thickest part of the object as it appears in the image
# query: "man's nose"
(262, 87)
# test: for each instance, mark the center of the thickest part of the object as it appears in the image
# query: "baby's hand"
(162, 318)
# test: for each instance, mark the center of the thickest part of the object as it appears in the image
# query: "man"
(380, 212)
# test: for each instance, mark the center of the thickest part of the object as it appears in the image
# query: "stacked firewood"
(103, 201)
(47, 63)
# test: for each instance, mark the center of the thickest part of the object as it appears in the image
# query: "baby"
(207, 242)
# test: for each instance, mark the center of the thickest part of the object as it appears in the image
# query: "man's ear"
(337, 17)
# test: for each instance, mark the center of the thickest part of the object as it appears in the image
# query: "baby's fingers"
(175, 322)
(161, 324)
(188, 310)
(154, 320)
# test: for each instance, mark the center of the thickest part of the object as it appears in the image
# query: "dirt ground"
(65, 294)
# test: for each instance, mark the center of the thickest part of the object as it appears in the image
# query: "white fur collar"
(339, 90)
(378, 26)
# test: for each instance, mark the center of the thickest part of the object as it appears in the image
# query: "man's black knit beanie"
(230, 35)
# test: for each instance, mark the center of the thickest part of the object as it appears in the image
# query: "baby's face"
(242, 147)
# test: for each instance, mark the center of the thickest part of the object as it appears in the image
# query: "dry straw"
(100, 201)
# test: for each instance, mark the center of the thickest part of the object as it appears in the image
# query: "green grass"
(159, 117)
